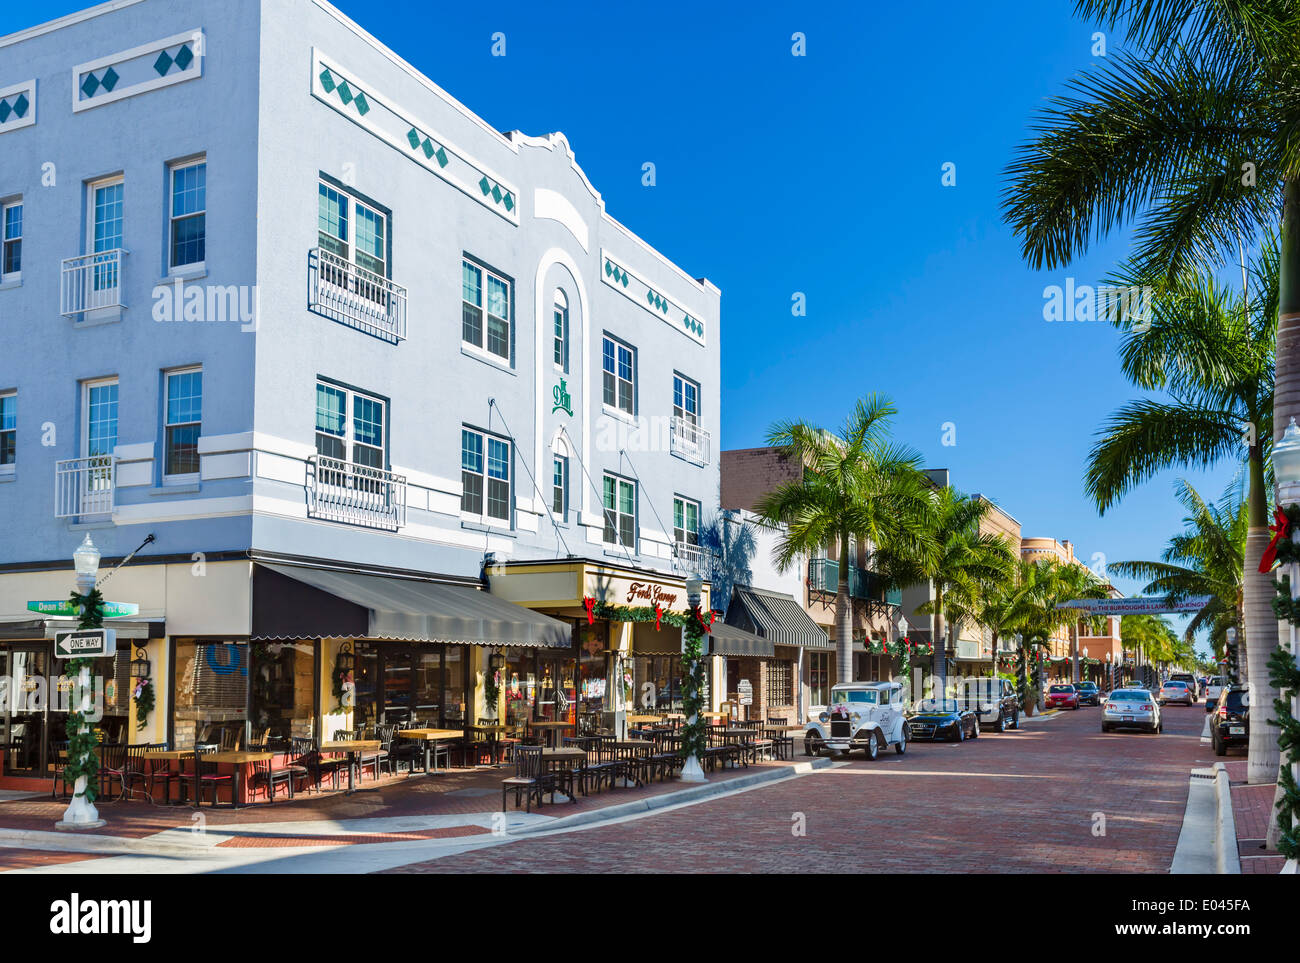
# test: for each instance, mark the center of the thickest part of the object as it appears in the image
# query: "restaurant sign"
(621, 590)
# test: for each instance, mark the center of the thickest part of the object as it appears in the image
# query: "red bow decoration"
(659, 613)
(1279, 531)
(703, 624)
(590, 603)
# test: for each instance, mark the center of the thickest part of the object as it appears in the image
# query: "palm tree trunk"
(940, 657)
(1261, 630)
(844, 616)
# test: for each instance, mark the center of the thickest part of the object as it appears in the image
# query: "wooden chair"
(305, 754)
(530, 778)
(159, 771)
(112, 766)
(210, 779)
(58, 759)
(267, 774)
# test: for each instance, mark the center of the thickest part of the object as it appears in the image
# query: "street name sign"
(110, 610)
(85, 643)
(1136, 606)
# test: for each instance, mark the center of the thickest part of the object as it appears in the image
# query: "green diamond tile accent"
(184, 57)
(496, 193)
(5, 111)
(90, 85)
(163, 63)
(609, 269)
(110, 79)
(21, 105)
(327, 81)
(413, 136)
(345, 92)
(509, 201)
(427, 146)
(624, 279)
(485, 185)
(442, 157)
(362, 105)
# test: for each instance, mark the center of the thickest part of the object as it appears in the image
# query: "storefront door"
(24, 713)
(400, 684)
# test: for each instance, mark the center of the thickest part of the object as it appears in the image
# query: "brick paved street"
(1016, 802)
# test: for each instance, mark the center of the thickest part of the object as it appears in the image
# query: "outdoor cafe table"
(351, 747)
(630, 749)
(493, 733)
(428, 737)
(565, 758)
(637, 720)
(237, 759)
(550, 728)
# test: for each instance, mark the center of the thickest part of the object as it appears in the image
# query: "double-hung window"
(8, 431)
(11, 240)
(560, 485)
(686, 401)
(356, 234)
(686, 521)
(619, 367)
(620, 511)
(561, 338)
(485, 309)
(188, 215)
(350, 426)
(183, 411)
(107, 203)
(484, 475)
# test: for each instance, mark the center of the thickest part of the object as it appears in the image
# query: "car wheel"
(873, 747)
(1160, 727)
(901, 747)
(1000, 724)
(1015, 720)
(975, 730)
(961, 733)
(1220, 747)
(811, 748)
(1105, 728)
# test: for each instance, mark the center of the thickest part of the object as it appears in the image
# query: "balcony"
(689, 441)
(355, 494)
(824, 576)
(691, 556)
(84, 486)
(339, 290)
(91, 282)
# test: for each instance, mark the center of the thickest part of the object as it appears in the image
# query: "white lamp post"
(81, 812)
(691, 769)
(1286, 470)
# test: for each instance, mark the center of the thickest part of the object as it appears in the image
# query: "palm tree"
(1049, 584)
(1154, 637)
(1191, 135)
(856, 484)
(1213, 354)
(1205, 559)
(965, 561)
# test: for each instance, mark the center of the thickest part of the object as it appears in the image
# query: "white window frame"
(12, 466)
(482, 517)
(681, 412)
(561, 461)
(6, 206)
(86, 387)
(560, 340)
(193, 267)
(348, 437)
(684, 501)
(349, 211)
(619, 481)
(185, 477)
(617, 409)
(91, 188)
(481, 349)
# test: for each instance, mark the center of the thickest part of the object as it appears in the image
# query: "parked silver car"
(1176, 691)
(1131, 709)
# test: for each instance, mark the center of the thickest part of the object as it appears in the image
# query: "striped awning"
(776, 617)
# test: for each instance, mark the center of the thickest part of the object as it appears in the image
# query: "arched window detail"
(560, 479)
(561, 334)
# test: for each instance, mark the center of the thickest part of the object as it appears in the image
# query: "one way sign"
(85, 643)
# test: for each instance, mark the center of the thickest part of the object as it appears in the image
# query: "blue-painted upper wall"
(275, 108)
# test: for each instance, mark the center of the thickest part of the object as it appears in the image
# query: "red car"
(1062, 697)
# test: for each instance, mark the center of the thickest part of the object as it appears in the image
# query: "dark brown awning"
(298, 602)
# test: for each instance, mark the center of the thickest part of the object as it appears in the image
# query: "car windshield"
(858, 696)
(1062, 688)
(1087, 685)
(1171, 684)
(1237, 699)
(1130, 695)
(938, 705)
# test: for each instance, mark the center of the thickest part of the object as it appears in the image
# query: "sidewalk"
(1251, 808)
(459, 804)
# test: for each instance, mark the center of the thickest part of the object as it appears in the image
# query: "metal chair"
(530, 778)
(268, 775)
(210, 778)
(58, 760)
(112, 765)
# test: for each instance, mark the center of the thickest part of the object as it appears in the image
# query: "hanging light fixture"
(140, 665)
(344, 660)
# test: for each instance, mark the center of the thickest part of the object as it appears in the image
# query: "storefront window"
(282, 692)
(521, 685)
(211, 693)
(657, 683)
(592, 675)
(780, 683)
(453, 672)
(402, 684)
(819, 673)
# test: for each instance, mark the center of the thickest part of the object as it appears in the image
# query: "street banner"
(1136, 606)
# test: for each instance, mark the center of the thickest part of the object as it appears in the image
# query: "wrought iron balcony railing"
(356, 494)
(84, 486)
(341, 291)
(689, 440)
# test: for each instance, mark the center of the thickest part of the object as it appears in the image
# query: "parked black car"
(943, 719)
(1089, 694)
(993, 700)
(1230, 721)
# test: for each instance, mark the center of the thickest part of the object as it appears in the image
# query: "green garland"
(641, 613)
(694, 735)
(144, 703)
(1285, 676)
(83, 741)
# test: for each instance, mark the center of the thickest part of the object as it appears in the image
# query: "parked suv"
(994, 701)
(1188, 679)
(1089, 694)
(1230, 724)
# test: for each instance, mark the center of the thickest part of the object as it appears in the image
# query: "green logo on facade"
(563, 402)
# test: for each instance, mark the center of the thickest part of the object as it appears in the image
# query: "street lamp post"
(81, 812)
(691, 682)
(1110, 679)
(1286, 472)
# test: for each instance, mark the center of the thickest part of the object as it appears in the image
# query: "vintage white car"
(861, 715)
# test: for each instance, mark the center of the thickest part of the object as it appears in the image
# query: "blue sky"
(821, 174)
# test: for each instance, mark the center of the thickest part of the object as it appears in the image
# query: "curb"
(679, 797)
(1226, 858)
(1195, 852)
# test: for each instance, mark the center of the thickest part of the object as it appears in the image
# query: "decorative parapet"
(17, 106)
(404, 132)
(647, 296)
(172, 60)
